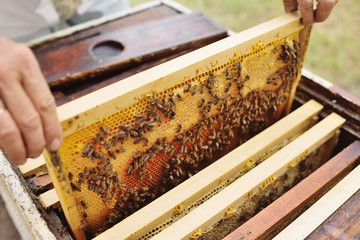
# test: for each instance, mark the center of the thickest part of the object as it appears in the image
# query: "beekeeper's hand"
(28, 120)
(308, 13)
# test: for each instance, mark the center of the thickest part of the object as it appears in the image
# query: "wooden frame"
(87, 110)
(296, 123)
(285, 208)
(301, 227)
(212, 211)
(344, 105)
(194, 188)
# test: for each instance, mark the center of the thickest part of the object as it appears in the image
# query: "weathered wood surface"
(129, 20)
(321, 210)
(343, 224)
(100, 54)
(287, 206)
(40, 183)
(333, 98)
(69, 94)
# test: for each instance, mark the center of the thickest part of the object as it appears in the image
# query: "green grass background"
(334, 50)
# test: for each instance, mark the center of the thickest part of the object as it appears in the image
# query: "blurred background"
(334, 50)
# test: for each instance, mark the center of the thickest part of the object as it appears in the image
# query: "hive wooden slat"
(343, 224)
(323, 208)
(32, 166)
(293, 201)
(212, 211)
(142, 221)
(49, 199)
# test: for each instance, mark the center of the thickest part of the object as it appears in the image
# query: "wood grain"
(213, 210)
(343, 224)
(307, 222)
(86, 60)
(298, 197)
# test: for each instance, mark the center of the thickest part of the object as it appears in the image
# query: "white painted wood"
(22, 210)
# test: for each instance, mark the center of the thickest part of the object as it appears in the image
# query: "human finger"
(323, 9)
(306, 8)
(10, 138)
(290, 5)
(24, 115)
(39, 93)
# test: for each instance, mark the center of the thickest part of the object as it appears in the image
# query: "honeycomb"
(125, 160)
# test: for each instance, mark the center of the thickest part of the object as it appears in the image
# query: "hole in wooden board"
(105, 49)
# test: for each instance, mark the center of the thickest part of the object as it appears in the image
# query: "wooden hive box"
(44, 217)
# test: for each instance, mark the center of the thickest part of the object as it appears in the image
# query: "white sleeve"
(22, 17)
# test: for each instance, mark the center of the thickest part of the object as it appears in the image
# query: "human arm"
(28, 120)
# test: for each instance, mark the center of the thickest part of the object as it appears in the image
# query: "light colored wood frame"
(93, 107)
(297, 122)
(285, 208)
(212, 211)
(307, 222)
(139, 223)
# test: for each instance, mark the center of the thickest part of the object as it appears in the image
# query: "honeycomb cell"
(133, 156)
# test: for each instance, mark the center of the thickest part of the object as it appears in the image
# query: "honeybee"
(201, 88)
(179, 97)
(70, 176)
(227, 72)
(275, 50)
(188, 87)
(194, 90)
(179, 128)
(83, 204)
(82, 226)
(104, 130)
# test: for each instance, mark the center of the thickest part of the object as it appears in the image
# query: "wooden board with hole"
(223, 205)
(280, 212)
(128, 143)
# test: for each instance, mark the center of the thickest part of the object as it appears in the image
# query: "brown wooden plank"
(349, 108)
(69, 94)
(40, 183)
(147, 15)
(343, 224)
(298, 197)
(125, 48)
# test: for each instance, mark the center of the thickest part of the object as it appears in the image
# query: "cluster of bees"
(287, 74)
(191, 149)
